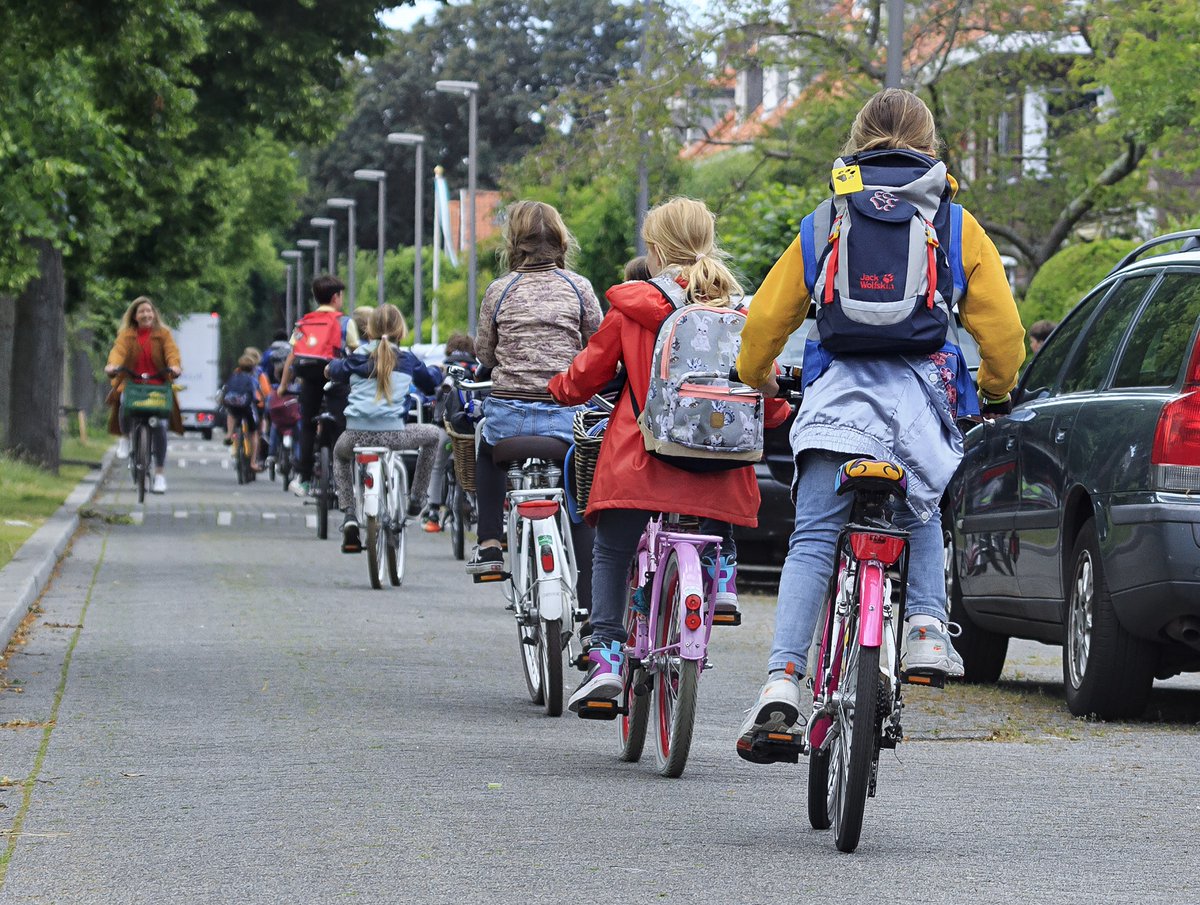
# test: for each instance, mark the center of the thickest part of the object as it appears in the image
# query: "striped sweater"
(532, 323)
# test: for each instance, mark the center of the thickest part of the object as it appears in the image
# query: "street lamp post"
(330, 224)
(315, 247)
(348, 205)
(380, 177)
(418, 142)
(471, 91)
(294, 302)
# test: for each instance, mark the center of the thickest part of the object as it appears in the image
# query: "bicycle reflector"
(366, 458)
(534, 509)
(547, 554)
(692, 604)
(882, 548)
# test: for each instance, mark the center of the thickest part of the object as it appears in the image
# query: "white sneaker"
(298, 488)
(160, 484)
(928, 648)
(776, 710)
(123, 447)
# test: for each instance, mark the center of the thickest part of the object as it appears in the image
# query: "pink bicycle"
(669, 616)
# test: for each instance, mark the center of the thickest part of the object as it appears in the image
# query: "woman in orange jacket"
(629, 485)
(145, 346)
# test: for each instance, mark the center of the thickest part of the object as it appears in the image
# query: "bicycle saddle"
(872, 475)
(517, 449)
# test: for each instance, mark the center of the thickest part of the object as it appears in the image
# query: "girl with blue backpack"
(884, 261)
(380, 375)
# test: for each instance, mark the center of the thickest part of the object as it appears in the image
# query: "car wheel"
(983, 652)
(1106, 671)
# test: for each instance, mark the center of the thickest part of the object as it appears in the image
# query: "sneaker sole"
(774, 716)
(485, 568)
(943, 665)
(602, 687)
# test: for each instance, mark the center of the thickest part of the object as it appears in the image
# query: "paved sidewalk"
(237, 717)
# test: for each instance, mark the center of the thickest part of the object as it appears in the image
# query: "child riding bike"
(241, 407)
(864, 399)
(459, 353)
(630, 485)
(380, 375)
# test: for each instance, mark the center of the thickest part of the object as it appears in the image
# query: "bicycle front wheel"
(141, 455)
(631, 726)
(243, 467)
(397, 508)
(677, 683)
(285, 466)
(857, 743)
(376, 555)
(322, 476)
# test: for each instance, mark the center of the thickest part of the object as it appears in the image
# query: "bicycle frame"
(654, 548)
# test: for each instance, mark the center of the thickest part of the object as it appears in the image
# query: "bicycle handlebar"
(790, 380)
(165, 374)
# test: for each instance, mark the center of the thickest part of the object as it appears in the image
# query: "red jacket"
(627, 477)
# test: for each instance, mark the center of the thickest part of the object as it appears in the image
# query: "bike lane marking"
(224, 519)
(30, 781)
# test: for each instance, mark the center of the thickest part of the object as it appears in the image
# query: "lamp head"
(341, 203)
(452, 86)
(291, 254)
(308, 243)
(323, 222)
(405, 138)
(370, 175)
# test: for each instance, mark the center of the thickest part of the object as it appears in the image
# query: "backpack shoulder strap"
(670, 290)
(578, 295)
(500, 301)
(815, 224)
(955, 250)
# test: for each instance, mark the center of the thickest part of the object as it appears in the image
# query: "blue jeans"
(515, 418)
(820, 516)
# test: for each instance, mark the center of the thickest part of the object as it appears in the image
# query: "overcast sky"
(403, 17)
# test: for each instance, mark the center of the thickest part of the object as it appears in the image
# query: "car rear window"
(1099, 347)
(1159, 340)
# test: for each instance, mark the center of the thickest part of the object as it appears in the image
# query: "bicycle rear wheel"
(322, 476)
(457, 510)
(528, 635)
(677, 683)
(285, 465)
(631, 726)
(854, 749)
(240, 461)
(550, 652)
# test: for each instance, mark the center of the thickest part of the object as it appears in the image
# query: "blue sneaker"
(724, 574)
(603, 679)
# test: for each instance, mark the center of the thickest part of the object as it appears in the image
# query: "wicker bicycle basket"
(463, 447)
(589, 434)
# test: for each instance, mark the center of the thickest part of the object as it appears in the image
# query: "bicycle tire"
(285, 466)
(675, 691)
(458, 530)
(376, 540)
(550, 652)
(397, 524)
(528, 636)
(631, 726)
(863, 745)
(240, 458)
(818, 790)
(324, 466)
(142, 448)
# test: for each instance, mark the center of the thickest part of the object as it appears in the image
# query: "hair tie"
(699, 256)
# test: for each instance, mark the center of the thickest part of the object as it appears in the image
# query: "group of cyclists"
(881, 380)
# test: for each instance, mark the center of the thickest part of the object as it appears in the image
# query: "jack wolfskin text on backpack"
(320, 336)
(692, 419)
(883, 283)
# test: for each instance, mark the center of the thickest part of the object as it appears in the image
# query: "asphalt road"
(213, 706)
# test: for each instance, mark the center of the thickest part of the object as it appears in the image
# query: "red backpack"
(321, 336)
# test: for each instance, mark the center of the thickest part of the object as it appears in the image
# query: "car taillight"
(1176, 453)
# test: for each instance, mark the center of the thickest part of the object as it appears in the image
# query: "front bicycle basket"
(146, 399)
(589, 428)
(463, 447)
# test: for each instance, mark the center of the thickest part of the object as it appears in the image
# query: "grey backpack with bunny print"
(694, 418)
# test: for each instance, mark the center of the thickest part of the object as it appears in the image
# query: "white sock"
(922, 621)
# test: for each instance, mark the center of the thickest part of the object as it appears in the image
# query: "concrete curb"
(27, 574)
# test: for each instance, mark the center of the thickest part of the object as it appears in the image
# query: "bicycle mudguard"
(548, 573)
(870, 604)
(693, 640)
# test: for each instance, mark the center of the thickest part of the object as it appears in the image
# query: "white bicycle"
(542, 576)
(381, 501)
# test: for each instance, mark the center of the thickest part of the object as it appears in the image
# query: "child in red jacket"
(629, 485)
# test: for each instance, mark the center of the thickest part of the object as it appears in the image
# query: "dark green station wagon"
(1076, 519)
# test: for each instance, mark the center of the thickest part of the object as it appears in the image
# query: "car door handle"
(1060, 435)
(1010, 443)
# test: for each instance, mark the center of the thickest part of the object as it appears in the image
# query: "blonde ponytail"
(388, 327)
(683, 233)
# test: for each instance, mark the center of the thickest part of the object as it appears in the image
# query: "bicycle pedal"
(733, 618)
(770, 747)
(488, 577)
(600, 709)
(930, 678)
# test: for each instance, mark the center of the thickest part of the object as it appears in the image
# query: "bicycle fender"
(550, 595)
(870, 604)
(371, 495)
(693, 643)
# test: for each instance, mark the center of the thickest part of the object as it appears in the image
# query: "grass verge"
(29, 495)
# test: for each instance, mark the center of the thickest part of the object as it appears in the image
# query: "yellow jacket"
(987, 310)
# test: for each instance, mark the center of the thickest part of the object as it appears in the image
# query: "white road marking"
(204, 461)
(224, 519)
(181, 513)
(225, 464)
(310, 520)
(269, 515)
(182, 463)
(138, 516)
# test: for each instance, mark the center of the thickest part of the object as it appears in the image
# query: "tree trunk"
(37, 361)
(8, 313)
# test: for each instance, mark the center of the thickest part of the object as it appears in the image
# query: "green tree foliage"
(1068, 276)
(524, 54)
(757, 231)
